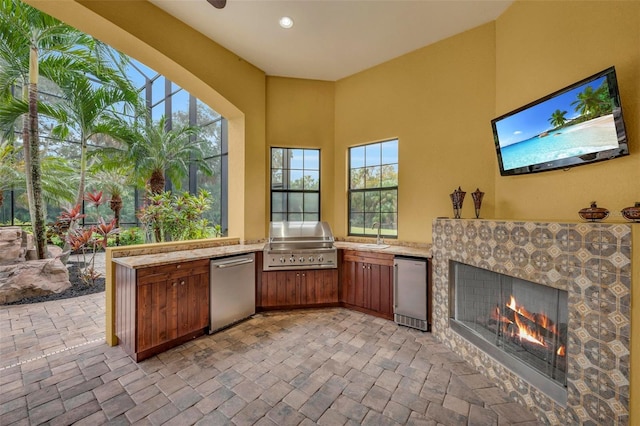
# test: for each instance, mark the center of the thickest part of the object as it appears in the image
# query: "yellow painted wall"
(438, 101)
(542, 47)
(300, 114)
(224, 81)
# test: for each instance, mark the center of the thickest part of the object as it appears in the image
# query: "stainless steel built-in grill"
(299, 245)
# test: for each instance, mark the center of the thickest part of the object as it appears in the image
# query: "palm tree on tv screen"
(593, 103)
(558, 118)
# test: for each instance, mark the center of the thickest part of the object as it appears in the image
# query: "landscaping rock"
(33, 278)
(21, 278)
(11, 245)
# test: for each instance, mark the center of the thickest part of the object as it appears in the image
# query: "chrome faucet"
(378, 239)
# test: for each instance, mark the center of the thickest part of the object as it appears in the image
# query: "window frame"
(366, 190)
(289, 191)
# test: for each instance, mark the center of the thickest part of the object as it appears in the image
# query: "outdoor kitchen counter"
(147, 260)
(423, 250)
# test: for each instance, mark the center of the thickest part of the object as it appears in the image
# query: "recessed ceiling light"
(286, 22)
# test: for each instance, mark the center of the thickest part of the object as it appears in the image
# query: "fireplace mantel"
(592, 262)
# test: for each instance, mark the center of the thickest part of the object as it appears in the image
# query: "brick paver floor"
(325, 366)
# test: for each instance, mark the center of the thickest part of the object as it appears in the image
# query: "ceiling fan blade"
(218, 4)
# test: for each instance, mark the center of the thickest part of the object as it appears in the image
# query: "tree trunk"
(156, 182)
(83, 169)
(34, 171)
(116, 205)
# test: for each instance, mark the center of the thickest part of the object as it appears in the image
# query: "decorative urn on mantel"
(632, 213)
(593, 213)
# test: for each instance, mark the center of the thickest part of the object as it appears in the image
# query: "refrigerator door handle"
(395, 287)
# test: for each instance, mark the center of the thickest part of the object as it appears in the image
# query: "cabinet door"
(309, 294)
(385, 290)
(326, 286)
(279, 288)
(157, 317)
(361, 290)
(288, 291)
(349, 284)
(373, 281)
(193, 303)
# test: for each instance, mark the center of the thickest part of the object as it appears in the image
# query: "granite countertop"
(422, 250)
(146, 260)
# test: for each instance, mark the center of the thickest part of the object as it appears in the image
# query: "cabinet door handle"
(174, 284)
(364, 266)
(368, 266)
(181, 282)
(178, 266)
(303, 275)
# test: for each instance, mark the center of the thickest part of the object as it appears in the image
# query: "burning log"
(533, 327)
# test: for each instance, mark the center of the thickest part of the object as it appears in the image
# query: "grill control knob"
(301, 259)
(292, 259)
(282, 260)
(321, 258)
(310, 258)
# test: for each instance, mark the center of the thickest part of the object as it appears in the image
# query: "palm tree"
(114, 182)
(158, 153)
(9, 175)
(57, 175)
(88, 109)
(33, 43)
(558, 118)
(589, 101)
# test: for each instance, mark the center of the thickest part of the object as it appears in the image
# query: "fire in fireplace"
(532, 335)
(519, 318)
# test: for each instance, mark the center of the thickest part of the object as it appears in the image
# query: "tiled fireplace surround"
(592, 262)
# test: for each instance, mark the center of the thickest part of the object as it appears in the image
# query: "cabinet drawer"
(368, 257)
(172, 271)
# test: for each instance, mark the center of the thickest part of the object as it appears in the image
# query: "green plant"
(128, 237)
(87, 239)
(178, 217)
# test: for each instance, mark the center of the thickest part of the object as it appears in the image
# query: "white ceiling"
(331, 39)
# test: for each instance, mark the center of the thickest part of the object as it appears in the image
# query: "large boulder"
(33, 278)
(11, 245)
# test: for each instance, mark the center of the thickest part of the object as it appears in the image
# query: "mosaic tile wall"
(592, 262)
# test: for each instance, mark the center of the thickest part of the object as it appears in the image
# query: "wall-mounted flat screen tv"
(577, 125)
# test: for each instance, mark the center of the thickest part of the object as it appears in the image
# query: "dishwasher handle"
(232, 263)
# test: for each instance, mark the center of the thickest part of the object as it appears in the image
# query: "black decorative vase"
(457, 197)
(477, 201)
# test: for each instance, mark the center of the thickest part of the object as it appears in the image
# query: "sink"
(373, 246)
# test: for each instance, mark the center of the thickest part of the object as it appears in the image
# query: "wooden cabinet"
(161, 307)
(302, 288)
(367, 282)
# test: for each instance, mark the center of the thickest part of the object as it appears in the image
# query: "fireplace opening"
(520, 323)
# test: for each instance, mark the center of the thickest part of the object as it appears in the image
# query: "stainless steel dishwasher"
(233, 290)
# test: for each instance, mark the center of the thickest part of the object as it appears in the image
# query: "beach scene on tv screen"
(571, 124)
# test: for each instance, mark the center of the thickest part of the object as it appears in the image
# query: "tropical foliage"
(33, 44)
(157, 152)
(177, 217)
(85, 240)
(88, 129)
